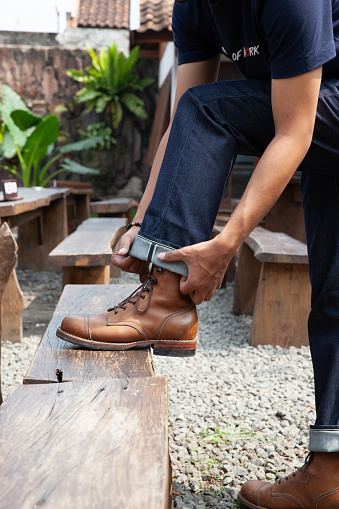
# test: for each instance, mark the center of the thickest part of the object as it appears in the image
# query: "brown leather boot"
(156, 315)
(314, 486)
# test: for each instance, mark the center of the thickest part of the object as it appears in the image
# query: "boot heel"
(172, 352)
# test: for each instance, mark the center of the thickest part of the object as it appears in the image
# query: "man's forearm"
(272, 174)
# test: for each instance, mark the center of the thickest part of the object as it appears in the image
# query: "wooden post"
(12, 308)
(8, 257)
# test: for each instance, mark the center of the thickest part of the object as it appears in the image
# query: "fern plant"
(110, 83)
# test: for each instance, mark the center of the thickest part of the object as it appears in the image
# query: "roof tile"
(154, 14)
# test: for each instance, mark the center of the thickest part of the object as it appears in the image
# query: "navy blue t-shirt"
(264, 38)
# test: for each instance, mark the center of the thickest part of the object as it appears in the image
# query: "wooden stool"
(272, 283)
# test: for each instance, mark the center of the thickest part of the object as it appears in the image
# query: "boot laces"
(305, 466)
(138, 294)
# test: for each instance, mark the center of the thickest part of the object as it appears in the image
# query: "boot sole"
(247, 504)
(168, 348)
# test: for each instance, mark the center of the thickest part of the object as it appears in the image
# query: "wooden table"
(41, 217)
(78, 201)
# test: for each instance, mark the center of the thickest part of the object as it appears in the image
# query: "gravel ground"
(235, 412)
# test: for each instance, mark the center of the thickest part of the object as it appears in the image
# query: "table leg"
(36, 240)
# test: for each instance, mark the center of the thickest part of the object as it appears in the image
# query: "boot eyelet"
(159, 270)
(154, 281)
(124, 308)
(143, 296)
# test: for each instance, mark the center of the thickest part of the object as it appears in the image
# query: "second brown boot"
(156, 315)
(313, 486)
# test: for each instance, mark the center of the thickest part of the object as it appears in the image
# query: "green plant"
(99, 129)
(32, 139)
(110, 83)
(229, 433)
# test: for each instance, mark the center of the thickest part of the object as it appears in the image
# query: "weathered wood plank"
(31, 200)
(276, 247)
(283, 303)
(89, 245)
(86, 275)
(103, 223)
(79, 364)
(113, 206)
(8, 257)
(86, 444)
(12, 307)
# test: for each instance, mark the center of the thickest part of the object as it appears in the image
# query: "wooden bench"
(85, 255)
(115, 207)
(8, 258)
(90, 427)
(272, 283)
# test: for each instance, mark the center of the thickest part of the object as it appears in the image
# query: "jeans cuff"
(324, 440)
(148, 250)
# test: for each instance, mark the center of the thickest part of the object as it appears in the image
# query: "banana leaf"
(80, 145)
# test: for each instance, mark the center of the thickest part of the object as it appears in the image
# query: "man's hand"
(207, 263)
(127, 263)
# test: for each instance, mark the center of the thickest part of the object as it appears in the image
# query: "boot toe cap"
(249, 492)
(74, 326)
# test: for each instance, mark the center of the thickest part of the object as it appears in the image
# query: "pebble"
(235, 412)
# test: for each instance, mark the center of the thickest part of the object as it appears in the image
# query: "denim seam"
(154, 242)
(175, 176)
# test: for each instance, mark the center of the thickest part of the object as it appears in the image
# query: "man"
(285, 112)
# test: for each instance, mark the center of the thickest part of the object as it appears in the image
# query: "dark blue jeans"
(212, 125)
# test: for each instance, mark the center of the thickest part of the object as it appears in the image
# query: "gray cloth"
(324, 440)
(149, 251)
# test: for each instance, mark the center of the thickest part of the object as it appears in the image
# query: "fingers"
(174, 255)
(197, 293)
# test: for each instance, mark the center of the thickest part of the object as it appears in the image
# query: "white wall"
(35, 15)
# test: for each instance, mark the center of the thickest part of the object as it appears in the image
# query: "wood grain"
(86, 444)
(80, 364)
(32, 199)
(86, 275)
(276, 247)
(103, 223)
(8, 257)
(283, 303)
(88, 246)
(12, 307)
(113, 206)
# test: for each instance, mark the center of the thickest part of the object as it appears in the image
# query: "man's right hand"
(127, 263)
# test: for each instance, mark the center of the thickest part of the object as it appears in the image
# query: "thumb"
(172, 256)
(122, 247)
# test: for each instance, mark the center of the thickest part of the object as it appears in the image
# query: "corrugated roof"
(103, 14)
(155, 15)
